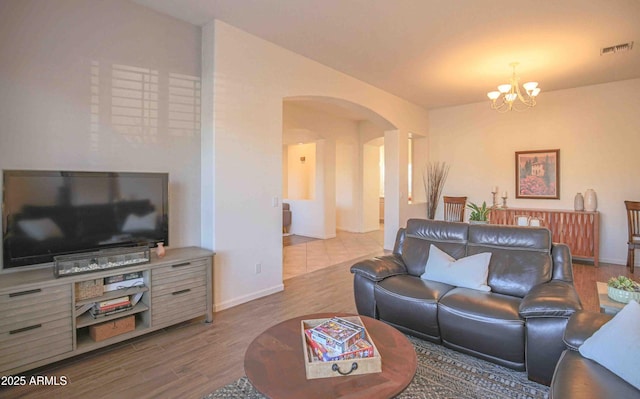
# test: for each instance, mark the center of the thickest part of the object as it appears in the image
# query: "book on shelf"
(135, 282)
(122, 277)
(113, 306)
(97, 313)
(114, 301)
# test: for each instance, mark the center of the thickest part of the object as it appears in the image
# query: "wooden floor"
(193, 359)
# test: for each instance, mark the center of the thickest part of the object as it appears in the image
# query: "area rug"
(441, 373)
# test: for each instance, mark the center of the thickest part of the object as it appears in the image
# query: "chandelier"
(505, 98)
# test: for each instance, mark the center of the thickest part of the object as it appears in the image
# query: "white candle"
(504, 194)
(495, 189)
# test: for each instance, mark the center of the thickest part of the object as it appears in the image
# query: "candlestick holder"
(504, 202)
(495, 198)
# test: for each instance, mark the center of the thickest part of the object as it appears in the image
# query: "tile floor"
(313, 255)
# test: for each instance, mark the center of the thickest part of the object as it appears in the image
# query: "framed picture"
(538, 174)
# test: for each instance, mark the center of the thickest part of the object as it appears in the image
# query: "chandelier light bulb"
(530, 86)
(535, 92)
(493, 95)
(504, 88)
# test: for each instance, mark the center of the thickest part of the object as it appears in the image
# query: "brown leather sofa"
(577, 377)
(518, 324)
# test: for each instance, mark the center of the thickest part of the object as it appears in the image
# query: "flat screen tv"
(50, 213)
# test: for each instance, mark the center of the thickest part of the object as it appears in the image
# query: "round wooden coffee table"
(274, 363)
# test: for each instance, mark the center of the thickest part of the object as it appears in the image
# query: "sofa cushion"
(468, 272)
(520, 256)
(616, 345)
(483, 324)
(410, 302)
(420, 233)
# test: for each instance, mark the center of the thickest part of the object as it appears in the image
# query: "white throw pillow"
(135, 223)
(468, 272)
(40, 229)
(616, 345)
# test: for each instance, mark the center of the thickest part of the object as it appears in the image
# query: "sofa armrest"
(379, 268)
(553, 299)
(581, 326)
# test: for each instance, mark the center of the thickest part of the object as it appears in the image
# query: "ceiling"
(438, 53)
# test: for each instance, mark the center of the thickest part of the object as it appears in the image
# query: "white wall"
(370, 187)
(371, 179)
(301, 171)
(251, 77)
(58, 106)
(346, 178)
(316, 217)
(596, 128)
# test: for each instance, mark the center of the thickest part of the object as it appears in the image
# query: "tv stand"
(43, 321)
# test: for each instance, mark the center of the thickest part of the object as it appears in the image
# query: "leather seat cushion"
(580, 378)
(484, 324)
(410, 302)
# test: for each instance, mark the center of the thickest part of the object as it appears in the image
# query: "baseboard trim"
(246, 298)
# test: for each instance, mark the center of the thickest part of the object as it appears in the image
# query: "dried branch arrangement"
(433, 177)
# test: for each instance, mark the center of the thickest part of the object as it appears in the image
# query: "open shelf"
(85, 342)
(112, 295)
(85, 319)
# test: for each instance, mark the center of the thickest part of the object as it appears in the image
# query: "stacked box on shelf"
(102, 331)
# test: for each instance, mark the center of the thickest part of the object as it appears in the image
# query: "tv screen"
(50, 213)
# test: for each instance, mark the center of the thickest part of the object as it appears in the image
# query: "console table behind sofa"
(579, 230)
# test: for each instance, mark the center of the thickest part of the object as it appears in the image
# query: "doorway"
(343, 215)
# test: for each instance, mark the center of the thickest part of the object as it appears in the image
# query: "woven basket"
(89, 289)
(623, 296)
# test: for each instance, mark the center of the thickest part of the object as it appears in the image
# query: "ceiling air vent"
(617, 48)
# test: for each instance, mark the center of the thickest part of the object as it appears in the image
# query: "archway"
(343, 140)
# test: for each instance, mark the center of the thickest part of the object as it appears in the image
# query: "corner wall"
(251, 77)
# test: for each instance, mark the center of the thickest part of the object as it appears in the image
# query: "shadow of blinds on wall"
(134, 102)
(94, 127)
(184, 105)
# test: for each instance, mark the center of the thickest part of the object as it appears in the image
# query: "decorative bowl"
(623, 296)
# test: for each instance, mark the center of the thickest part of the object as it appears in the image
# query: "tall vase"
(590, 200)
(578, 202)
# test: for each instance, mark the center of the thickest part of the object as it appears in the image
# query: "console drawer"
(35, 325)
(179, 292)
(22, 309)
(35, 342)
(180, 305)
(169, 279)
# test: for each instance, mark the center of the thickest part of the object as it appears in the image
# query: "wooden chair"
(633, 219)
(454, 208)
